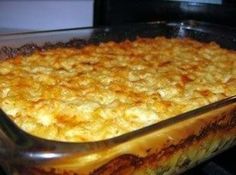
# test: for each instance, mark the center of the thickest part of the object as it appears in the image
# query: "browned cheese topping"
(103, 91)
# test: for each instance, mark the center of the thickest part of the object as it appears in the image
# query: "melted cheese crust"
(103, 91)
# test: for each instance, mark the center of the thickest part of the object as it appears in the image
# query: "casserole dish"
(167, 147)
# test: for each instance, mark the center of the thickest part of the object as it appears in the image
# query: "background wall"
(27, 15)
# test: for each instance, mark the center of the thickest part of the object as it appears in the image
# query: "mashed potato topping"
(102, 91)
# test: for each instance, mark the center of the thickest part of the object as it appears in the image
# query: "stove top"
(113, 12)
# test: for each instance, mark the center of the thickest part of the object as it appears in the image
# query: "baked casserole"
(102, 91)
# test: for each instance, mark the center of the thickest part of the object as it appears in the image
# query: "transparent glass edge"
(146, 130)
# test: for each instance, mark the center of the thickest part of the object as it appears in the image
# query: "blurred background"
(34, 15)
(30, 15)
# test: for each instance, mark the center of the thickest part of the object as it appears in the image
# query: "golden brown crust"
(69, 94)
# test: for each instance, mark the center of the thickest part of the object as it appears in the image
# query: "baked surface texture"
(101, 91)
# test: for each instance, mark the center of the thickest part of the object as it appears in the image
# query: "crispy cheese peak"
(103, 91)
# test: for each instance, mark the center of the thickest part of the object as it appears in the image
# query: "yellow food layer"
(103, 91)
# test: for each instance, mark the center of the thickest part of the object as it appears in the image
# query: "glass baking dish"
(167, 147)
